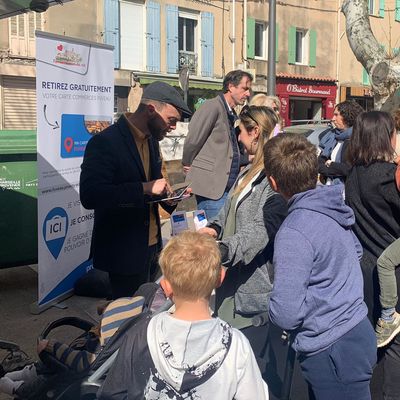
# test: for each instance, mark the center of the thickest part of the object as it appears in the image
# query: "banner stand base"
(36, 309)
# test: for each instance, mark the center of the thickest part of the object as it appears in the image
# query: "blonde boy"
(188, 353)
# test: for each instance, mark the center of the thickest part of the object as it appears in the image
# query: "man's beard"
(155, 131)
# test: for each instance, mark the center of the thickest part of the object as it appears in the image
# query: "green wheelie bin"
(18, 198)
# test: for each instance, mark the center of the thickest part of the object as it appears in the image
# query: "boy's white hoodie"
(201, 360)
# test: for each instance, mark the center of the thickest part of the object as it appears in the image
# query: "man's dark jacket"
(111, 184)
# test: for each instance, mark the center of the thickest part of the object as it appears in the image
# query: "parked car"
(313, 132)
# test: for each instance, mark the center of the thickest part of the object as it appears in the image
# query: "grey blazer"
(248, 253)
(208, 150)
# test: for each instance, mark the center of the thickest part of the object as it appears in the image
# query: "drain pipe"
(233, 36)
(338, 59)
(245, 33)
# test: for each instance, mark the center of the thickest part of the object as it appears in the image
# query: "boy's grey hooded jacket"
(259, 212)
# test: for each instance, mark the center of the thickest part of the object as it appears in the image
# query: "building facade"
(153, 40)
(306, 70)
(166, 39)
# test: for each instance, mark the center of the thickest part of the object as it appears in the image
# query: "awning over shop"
(193, 83)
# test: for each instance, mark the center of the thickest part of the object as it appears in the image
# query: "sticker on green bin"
(20, 176)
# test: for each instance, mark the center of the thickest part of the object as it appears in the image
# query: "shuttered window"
(292, 45)
(19, 103)
(382, 8)
(365, 77)
(111, 28)
(132, 35)
(302, 46)
(313, 48)
(207, 44)
(153, 36)
(22, 33)
(251, 29)
(172, 38)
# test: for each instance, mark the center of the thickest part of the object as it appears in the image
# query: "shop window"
(22, 33)
(260, 40)
(302, 46)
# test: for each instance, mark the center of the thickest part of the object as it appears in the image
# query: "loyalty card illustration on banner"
(76, 130)
(55, 229)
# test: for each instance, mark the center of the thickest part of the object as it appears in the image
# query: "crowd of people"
(301, 238)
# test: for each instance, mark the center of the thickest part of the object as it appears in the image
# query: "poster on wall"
(75, 100)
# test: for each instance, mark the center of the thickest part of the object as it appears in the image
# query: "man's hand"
(186, 169)
(208, 231)
(156, 188)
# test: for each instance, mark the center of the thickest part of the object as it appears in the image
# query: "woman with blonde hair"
(273, 102)
(245, 229)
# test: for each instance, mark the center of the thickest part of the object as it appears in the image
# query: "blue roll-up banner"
(75, 100)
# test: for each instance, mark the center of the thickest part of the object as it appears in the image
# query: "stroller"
(58, 382)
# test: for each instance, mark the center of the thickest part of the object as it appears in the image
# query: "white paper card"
(199, 219)
(179, 222)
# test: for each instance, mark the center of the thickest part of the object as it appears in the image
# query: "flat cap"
(161, 91)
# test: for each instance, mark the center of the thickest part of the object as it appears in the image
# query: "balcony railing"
(189, 60)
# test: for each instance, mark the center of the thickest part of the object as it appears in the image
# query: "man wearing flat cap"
(121, 175)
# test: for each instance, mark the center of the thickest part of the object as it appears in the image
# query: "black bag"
(93, 284)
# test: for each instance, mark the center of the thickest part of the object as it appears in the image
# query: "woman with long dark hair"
(372, 193)
(332, 166)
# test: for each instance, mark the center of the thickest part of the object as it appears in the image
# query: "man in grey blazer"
(211, 156)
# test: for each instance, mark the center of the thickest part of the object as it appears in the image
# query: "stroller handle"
(71, 321)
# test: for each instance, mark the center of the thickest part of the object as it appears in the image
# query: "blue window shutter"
(397, 11)
(381, 8)
(153, 36)
(111, 27)
(172, 39)
(207, 43)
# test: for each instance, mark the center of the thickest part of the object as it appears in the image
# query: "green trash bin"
(18, 198)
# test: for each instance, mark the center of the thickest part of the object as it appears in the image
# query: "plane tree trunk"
(383, 71)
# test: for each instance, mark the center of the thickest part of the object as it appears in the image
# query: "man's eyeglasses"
(247, 113)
